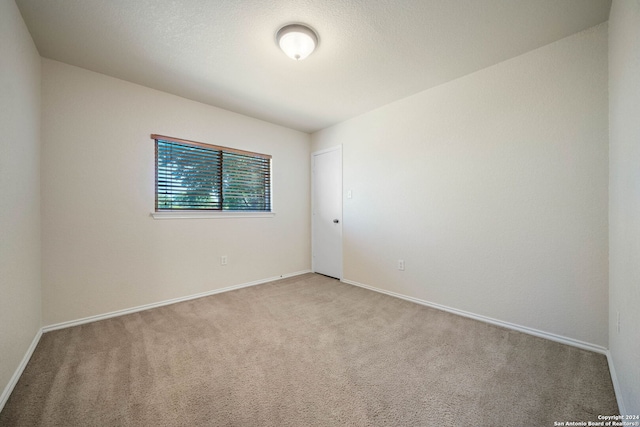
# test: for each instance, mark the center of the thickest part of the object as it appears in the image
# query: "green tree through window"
(197, 176)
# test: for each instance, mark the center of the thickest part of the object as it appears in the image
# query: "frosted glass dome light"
(297, 41)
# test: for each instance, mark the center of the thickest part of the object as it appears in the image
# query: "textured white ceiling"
(371, 52)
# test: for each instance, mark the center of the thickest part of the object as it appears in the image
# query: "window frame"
(209, 213)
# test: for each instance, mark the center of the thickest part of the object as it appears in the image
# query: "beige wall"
(20, 309)
(624, 197)
(492, 188)
(101, 249)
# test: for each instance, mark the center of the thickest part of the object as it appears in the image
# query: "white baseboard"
(553, 337)
(116, 313)
(616, 385)
(16, 375)
(531, 331)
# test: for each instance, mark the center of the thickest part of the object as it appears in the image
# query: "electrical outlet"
(223, 260)
(401, 264)
(618, 322)
(349, 194)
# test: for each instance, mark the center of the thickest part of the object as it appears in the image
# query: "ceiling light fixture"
(297, 40)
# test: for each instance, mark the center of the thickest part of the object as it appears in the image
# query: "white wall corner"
(4, 397)
(616, 384)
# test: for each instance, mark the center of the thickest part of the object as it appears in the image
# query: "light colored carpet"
(304, 351)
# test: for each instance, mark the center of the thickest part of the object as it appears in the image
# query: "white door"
(327, 212)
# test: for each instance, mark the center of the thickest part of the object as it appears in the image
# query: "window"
(193, 176)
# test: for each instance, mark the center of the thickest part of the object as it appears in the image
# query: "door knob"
(335, 221)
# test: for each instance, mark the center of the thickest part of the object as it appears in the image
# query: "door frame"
(313, 181)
